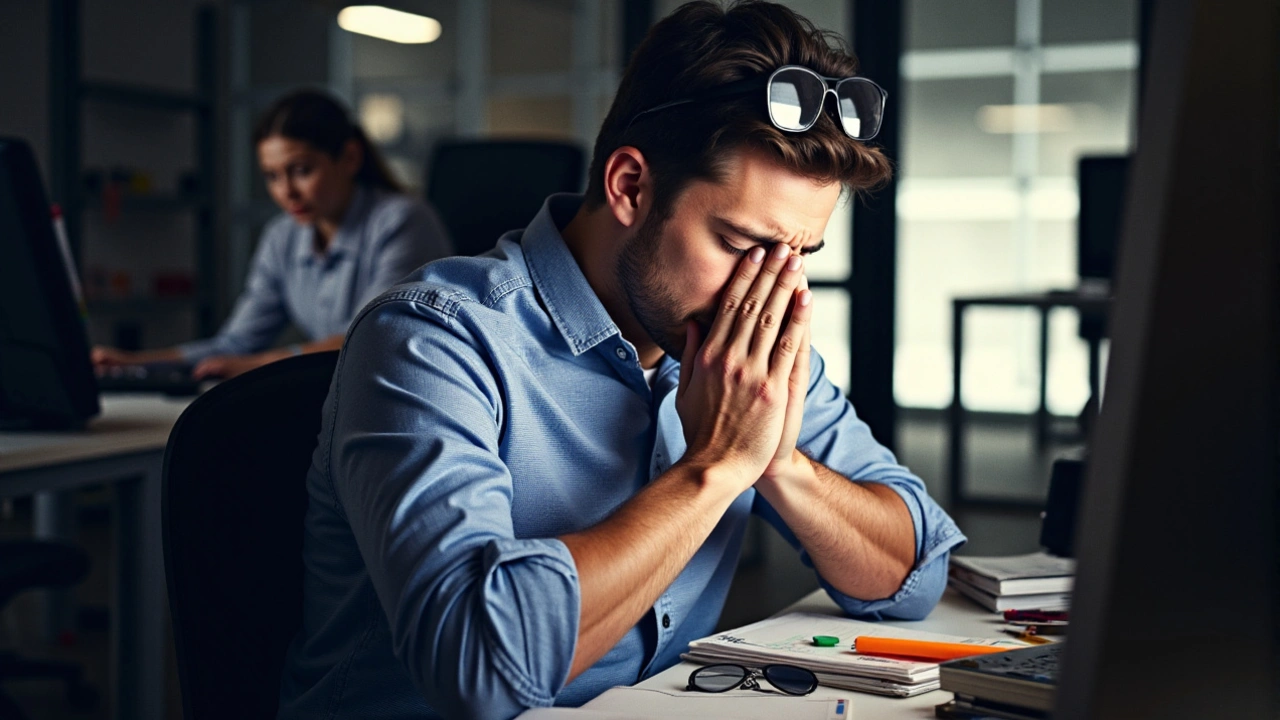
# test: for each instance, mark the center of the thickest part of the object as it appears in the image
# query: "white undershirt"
(649, 375)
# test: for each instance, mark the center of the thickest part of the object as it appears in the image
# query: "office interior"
(140, 115)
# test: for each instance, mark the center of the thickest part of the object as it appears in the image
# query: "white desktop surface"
(123, 447)
(954, 615)
(127, 424)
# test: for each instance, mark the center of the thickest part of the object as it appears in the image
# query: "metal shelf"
(143, 304)
(153, 203)
(70, 91)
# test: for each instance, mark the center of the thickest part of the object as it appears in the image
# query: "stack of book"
(788, 640)
(1037, 581)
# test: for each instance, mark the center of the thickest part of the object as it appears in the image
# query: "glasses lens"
(790, 679)
(861, 107)
(795, 99)
(717, 678)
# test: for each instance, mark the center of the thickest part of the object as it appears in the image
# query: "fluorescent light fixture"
(1007, 119)
(387, 24)
(382, 117)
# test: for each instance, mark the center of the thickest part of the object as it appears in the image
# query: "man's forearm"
(625, 562)
(860, 535)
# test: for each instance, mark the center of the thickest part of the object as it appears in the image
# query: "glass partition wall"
(1002, 98)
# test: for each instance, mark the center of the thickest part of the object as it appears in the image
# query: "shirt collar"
(572, 304)
(348, 235)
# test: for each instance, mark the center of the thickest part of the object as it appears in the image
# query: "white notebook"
(1000, 603)
(788, 639)
(1032, 574)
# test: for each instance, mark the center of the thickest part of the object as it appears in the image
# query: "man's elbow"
(488, 645)
(918, 600)
(472, 682)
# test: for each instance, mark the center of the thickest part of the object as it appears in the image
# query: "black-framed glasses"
(795, 96)
(789, 679)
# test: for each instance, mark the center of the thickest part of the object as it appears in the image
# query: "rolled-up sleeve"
(260, 313)
(833, 434)
(484, 622)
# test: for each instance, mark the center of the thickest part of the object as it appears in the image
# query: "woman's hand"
(229, 366)
(104, 357)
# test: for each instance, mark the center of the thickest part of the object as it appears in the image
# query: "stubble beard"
(653, 303)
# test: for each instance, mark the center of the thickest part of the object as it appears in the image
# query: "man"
(537, 465)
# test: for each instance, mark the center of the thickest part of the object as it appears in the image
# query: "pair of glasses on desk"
(789, 679)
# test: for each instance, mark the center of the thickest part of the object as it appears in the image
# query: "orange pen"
(922, 649)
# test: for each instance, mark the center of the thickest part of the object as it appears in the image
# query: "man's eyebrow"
(766, 239)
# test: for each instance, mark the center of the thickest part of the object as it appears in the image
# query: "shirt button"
(621, 353)
(666, 620)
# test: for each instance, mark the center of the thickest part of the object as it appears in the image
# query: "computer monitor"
(46, 378)
(1175, 604)
(1101, 180)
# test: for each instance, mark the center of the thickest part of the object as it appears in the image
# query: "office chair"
(29, 564)
(483, 188)
(232, 506)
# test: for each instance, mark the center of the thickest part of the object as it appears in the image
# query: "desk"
(1090, 302)
(123, 447)
(954, 615)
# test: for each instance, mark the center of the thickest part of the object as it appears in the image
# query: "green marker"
(826, 640)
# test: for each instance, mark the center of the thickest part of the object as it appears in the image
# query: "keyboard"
(1024, 678)
(165, 378)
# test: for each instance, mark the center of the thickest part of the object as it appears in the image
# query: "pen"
(922, 649)
(1036, 615)
(1045, 629)
(1028, 637)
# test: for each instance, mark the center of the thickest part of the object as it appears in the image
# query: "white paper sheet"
(789, 639)
(630, 703)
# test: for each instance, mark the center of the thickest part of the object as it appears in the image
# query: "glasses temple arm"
(733, 88)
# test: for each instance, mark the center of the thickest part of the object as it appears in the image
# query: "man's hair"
(700, 47)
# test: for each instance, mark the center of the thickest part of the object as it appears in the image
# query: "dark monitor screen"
(1176, 601)
(46, 379)
(1101, 202)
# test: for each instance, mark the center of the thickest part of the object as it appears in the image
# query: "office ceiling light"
(387, 24)
(382, 117)
(1008, 119)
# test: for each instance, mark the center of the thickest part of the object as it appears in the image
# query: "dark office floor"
(1003, 461)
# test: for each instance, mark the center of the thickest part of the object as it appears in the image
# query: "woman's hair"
(701, 47)
(318, 119)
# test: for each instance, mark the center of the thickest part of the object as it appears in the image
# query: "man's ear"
(352, 157)
(628, 186)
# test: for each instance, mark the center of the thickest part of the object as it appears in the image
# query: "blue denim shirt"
(480, 409)
(384, 236)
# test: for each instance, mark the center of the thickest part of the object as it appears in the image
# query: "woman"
(347, 233)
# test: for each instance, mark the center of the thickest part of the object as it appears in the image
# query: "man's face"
(675, 271)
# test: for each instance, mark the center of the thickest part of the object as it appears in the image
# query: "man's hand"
(788, 461)
(736, 396)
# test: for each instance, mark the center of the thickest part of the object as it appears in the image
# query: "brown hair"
(318, 119)
(702, 46)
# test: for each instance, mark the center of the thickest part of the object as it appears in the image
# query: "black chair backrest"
(233, 500)
(483, 188)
